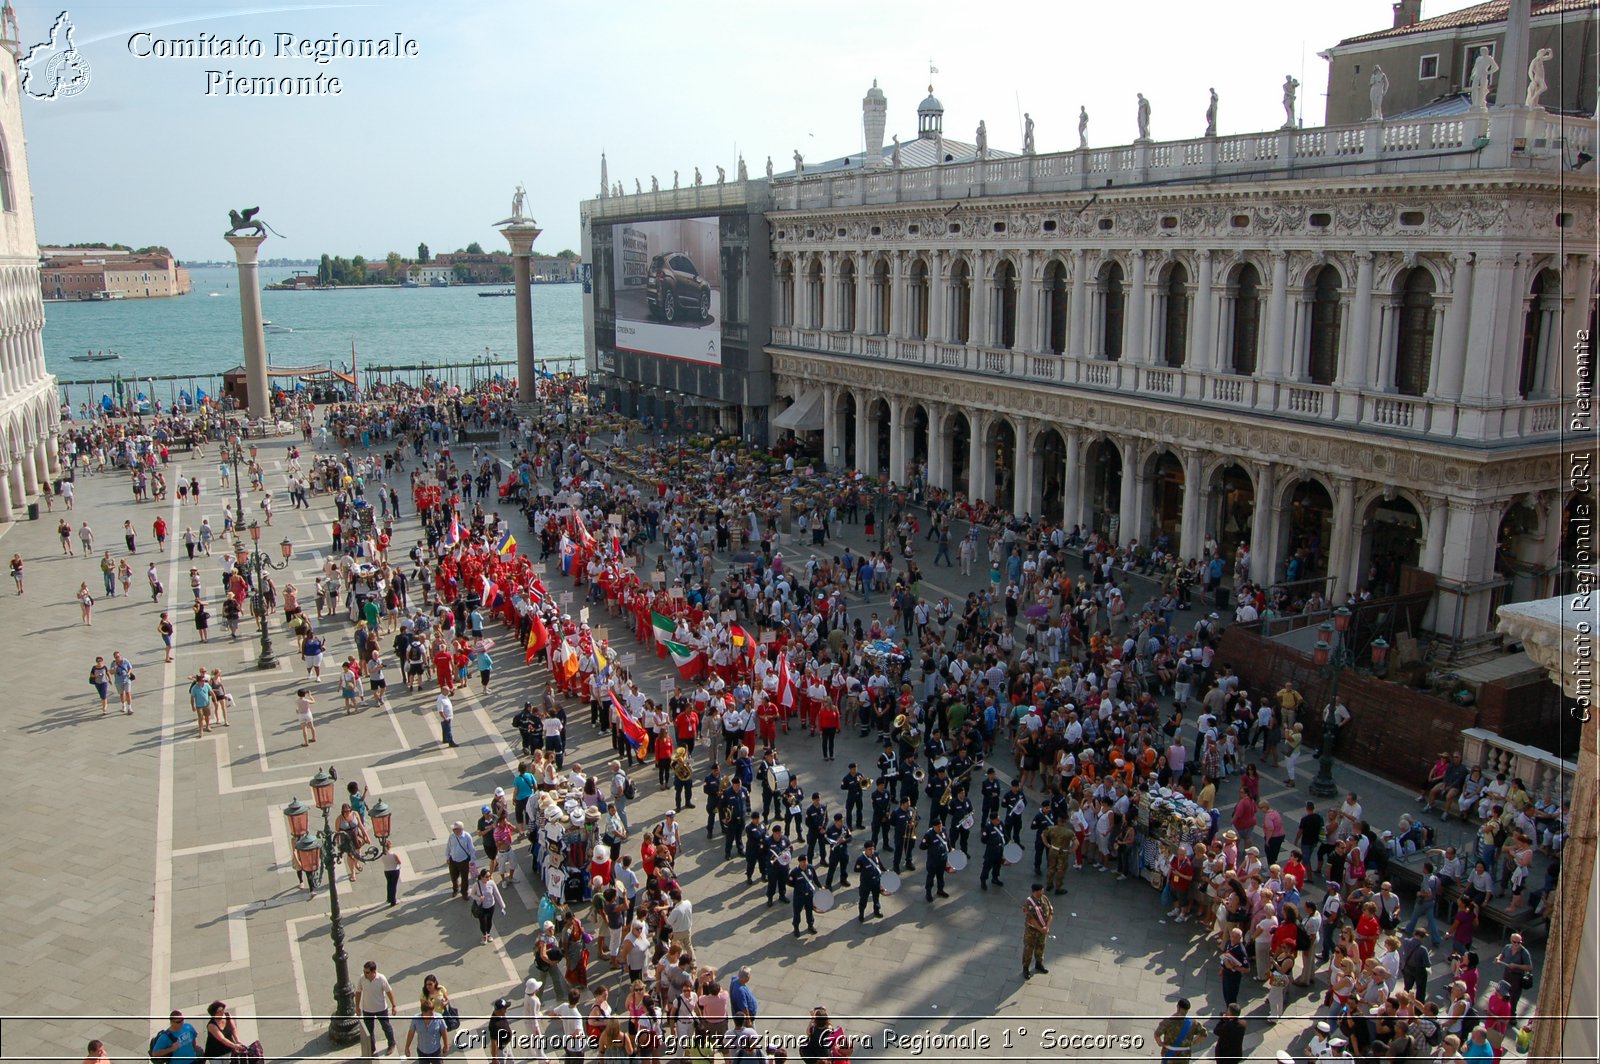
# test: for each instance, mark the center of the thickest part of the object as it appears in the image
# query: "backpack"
(629, 791)
(1302, 938)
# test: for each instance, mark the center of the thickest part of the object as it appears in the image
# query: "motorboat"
(95, 356)
(268, 326)
(501, 292)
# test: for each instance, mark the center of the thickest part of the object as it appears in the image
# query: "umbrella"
(1037, 612)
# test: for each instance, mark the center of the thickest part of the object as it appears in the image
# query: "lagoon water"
(199, 335)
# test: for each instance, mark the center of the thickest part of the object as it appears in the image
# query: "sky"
(428, 148)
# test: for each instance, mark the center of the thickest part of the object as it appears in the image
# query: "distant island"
(94, 272)
(468, 265)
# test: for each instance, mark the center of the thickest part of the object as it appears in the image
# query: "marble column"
(1078, 310)
(982, 302)
(1191, 531)
(1490, 330)
(521, 235)
(1345, 550)
(1432, 558)
(980, 472)
(938, 313)
(30, 475)
(1472, 523)
(830, 427)
(896, 295)
(1135, 343)
(863, 294)
(1072, 479)
(15, 482)
(830, 294)
(866, 439)
(1266, 547)
(1028, 304)
(1128, 507)
(899, 407)
(938, 447)
(53, 451)
(1277, 318)
(1357, 344)
(246, 250)
(1452, 368)
(6, 512)
(1506, 388)
(1203, 349)
(1565, 379)
(1025, 494)
(41, 463)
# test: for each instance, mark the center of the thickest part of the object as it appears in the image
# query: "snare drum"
(967, 822)
(891, 882)
(1012, 854)
(785, 857)
(956, 861)
(822, 900)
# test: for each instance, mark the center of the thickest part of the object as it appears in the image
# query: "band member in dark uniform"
(838, 847)
(712, 788)
(854, 785)
(755, 848)
(869, 883)
(769, 793)
(958, 811)
(938, 848)
(778, 853)
(1015, 804)
(804, 883)
(993, 838)
(736, 806)
(991, 796)
(882, 807)
(816, 824)
(1043, 821)
(900, 821)
(937, 788)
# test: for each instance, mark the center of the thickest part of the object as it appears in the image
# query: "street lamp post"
(881, 505)
(314, 851)
(260, 564)
(1334, 653)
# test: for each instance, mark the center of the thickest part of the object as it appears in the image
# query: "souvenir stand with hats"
(569, 839)
(887, 655)
(1168, 820)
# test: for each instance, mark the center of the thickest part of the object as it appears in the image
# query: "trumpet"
(919, 777)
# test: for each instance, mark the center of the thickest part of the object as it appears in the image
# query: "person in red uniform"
(444, 667)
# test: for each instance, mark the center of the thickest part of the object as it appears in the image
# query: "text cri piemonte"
(318, 50)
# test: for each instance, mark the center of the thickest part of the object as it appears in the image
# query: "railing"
(1385, 412)
(1547, 777)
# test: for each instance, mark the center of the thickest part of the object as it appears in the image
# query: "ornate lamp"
(298, 814)
(1380, 652)
(255, 532)
(287, 548)
(380, 814)
(1319, 654)
(308, 854)
(322, 790)
(1341, 617)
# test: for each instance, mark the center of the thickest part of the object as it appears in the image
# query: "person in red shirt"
(828, 721)
(160, 530)
(767, 721)
(1294, 867)
(687, 725)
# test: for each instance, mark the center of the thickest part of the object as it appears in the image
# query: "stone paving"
(151, 869)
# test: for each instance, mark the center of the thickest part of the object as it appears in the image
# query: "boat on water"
(268, 326)
(500, 292)
(213, 295)
(95, 356)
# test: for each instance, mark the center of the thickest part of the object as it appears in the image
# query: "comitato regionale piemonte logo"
(55, 69)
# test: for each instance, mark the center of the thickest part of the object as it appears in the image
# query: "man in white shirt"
(573, 1038)
(680, 920)
(447, 714)
(377, 1004)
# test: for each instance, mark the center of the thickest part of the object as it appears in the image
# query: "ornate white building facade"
(1357, 349)
(30, 419)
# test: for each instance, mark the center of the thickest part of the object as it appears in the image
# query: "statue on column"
(246, 219)
(519, 199)
(655, 186)
(605, 181)
(697, 176)
(1211, 115)
(1537, 85)
(1290, 88)
(983, 140)
(894, 154)
(674, 179)
(1027, 134)
(1484, 68)
(769, 168)
(1377, 89)
(1144, 117)
(722, 175)
(799, 163)
(938, 148)
(1083, 127)
(638, 189)
(743, 172)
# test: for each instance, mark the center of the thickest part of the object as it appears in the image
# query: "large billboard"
(668, 288)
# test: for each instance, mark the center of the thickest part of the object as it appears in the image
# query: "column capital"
(1364, 257)
(1281, 256)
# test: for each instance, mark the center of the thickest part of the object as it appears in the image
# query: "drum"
(785, 857)
(1012, 854)
(780, 778)
(956, 861)
(967, 822)
(822, 901)
(940, 762)
(891, 882)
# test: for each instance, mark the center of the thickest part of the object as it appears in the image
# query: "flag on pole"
(601, 662)
(538, 638)
(784, 695)
(584, 536)
(633, 732)
(569, 553)
(491, 594)
(452, 537)
(569, 665)
(742, 641)
(536, 591)
(507, 544)
(689, 661)
(663, 625)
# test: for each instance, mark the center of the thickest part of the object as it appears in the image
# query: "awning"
(804, 415)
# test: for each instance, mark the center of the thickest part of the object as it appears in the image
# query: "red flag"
(538, 638)
(784, 695)
(633, 732)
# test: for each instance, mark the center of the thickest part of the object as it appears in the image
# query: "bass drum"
(823, 900)
(1012, 854)
(956, 861)
(891, 882)
(780, 777)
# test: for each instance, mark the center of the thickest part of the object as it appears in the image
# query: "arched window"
(918, 296)
(1246, 319)
(847, 296)
(1538, 322)
(1413, 353)
(1175, 296)
(1005, 304)
(1322, 361)
(960, 302)
(1055, 297)
(1111, 311)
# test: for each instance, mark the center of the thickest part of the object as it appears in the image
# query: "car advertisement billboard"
(668, 287)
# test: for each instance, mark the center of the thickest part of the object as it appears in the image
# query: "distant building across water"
(110, 273)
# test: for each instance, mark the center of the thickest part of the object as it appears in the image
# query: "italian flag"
(665, 627)
(689, 661)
